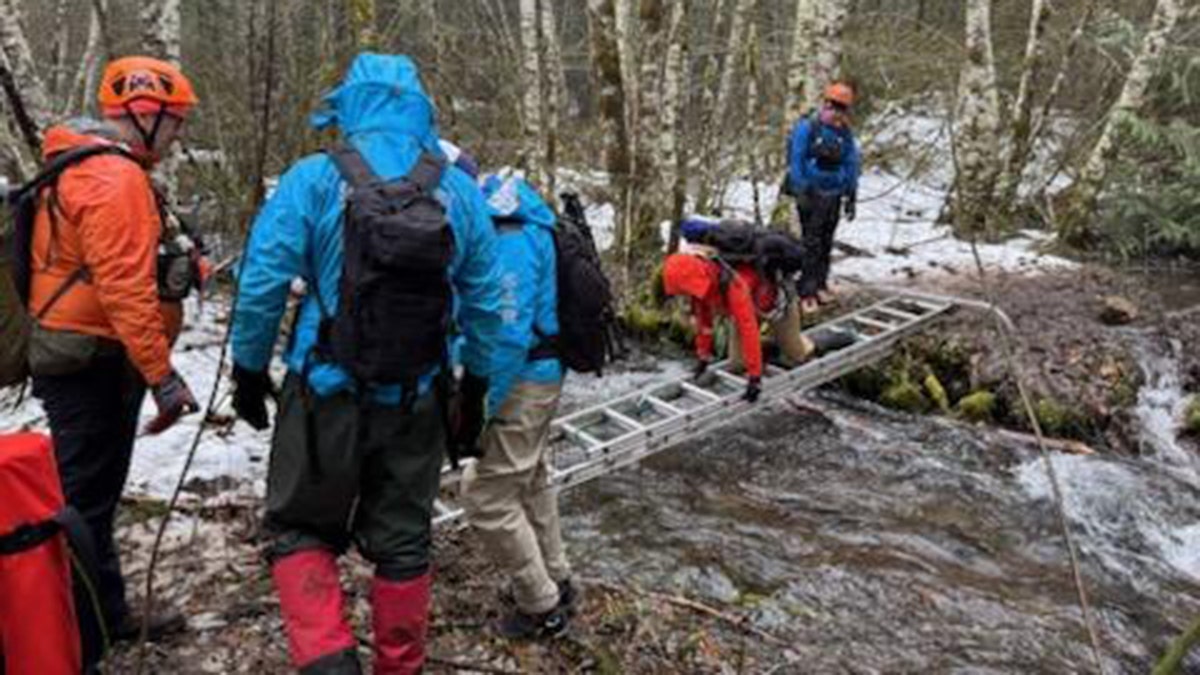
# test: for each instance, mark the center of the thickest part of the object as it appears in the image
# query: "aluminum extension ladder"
(601, 439)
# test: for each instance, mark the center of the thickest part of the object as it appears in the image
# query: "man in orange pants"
(38, 631)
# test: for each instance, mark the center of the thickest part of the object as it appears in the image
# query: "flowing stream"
(882, 542)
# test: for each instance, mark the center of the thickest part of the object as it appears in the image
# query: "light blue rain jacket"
(529, 298)
(383, 111)
(804, 173)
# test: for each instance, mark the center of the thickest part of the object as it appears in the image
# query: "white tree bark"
(161, 26)
(19, 57)
(1020, 138)
(531, 101)
(83, 92)
(826, 62)
(1133, 97)
(978, 122)
(673, 101)
(62, 45)
(610, 85)
(712, 164)
(554, 82)
(798, 84)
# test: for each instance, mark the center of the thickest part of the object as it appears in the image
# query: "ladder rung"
(663, 405)
(576, 432)
(897, 313)
(873, 322)
(702, 393)
(633, 424)
(731, 378)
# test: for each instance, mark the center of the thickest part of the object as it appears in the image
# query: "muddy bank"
(1078, 339)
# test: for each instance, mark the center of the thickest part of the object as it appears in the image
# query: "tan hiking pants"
(503, 495)
(795, 346)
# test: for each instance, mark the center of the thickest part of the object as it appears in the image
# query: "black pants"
(819, 216)
(93, 420)
(366, 475)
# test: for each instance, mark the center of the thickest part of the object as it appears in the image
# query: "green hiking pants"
(341, 473)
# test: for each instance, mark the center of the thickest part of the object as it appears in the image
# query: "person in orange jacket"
(740, 293)
(96, 282)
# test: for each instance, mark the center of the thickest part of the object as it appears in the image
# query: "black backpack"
(16, 270)
(737, 242)
(589, 335)
(828, 149)
(395, 299)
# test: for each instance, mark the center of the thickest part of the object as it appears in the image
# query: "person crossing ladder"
(394, 245)
(823, 170)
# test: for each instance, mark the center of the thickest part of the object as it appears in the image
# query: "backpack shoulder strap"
(352, 166)
(427, 174)
(63, 161)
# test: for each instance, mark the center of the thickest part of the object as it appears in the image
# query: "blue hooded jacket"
(803, 171)
(529, 302)
(383, 111)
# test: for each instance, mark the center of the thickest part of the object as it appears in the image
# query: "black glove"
(174, 400)
(851, 206)
(753, 390)
(470, 416)
(250, 392)
(700, 368)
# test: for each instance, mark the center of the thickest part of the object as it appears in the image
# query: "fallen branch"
(459, 666)
(740, 622)
(1063, 445)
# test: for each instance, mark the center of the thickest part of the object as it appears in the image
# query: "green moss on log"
(1057, 419)
(937, 393)
(905, 395)
(1191, 417)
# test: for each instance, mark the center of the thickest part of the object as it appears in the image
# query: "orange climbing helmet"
(840, 93)
(144, 85)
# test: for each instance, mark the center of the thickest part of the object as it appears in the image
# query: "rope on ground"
(1006, 330)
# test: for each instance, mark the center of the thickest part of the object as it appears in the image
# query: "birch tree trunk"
(754, 110)
(610, 85)
(712, 164)
(161, 26)
(34, 100)
(1075, 227)
(555, 84)
(83, 92)
(826, 62)
(1021, 138)
(62, 45)
(977, 126)
(674, 160)
(531, 85)
(1064, 67)
(798, 84)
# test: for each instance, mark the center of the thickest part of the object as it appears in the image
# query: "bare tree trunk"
(1021, 139)
(555, 83)
(100, 8)
(34, 100)
(62, 44)
(531, 102)
(84, 90)
(978, 122)
(1075, 227)
(610, 84)
(712, 166)
(798, 84)
(826, 62)
(1064, 67)
(754, 118)
(673, 153)
(623, 21)
(161, 26)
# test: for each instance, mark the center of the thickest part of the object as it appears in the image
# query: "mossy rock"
(905, 395)
(1056, 419)
(643, 321)
(867, 383)
(937, 393)
(1191, 417)
(979, 406)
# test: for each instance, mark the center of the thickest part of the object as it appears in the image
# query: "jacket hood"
(380, 93)
(77, 133)
(688, 275)
(513, 198)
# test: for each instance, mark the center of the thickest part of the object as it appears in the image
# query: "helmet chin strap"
(148, 137)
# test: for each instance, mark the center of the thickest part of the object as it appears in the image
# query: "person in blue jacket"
(355, 461)
(823, 168)
(504, 493)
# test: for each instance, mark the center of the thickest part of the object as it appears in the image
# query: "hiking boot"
(162, 625)
(517, 625)
(568, 596)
